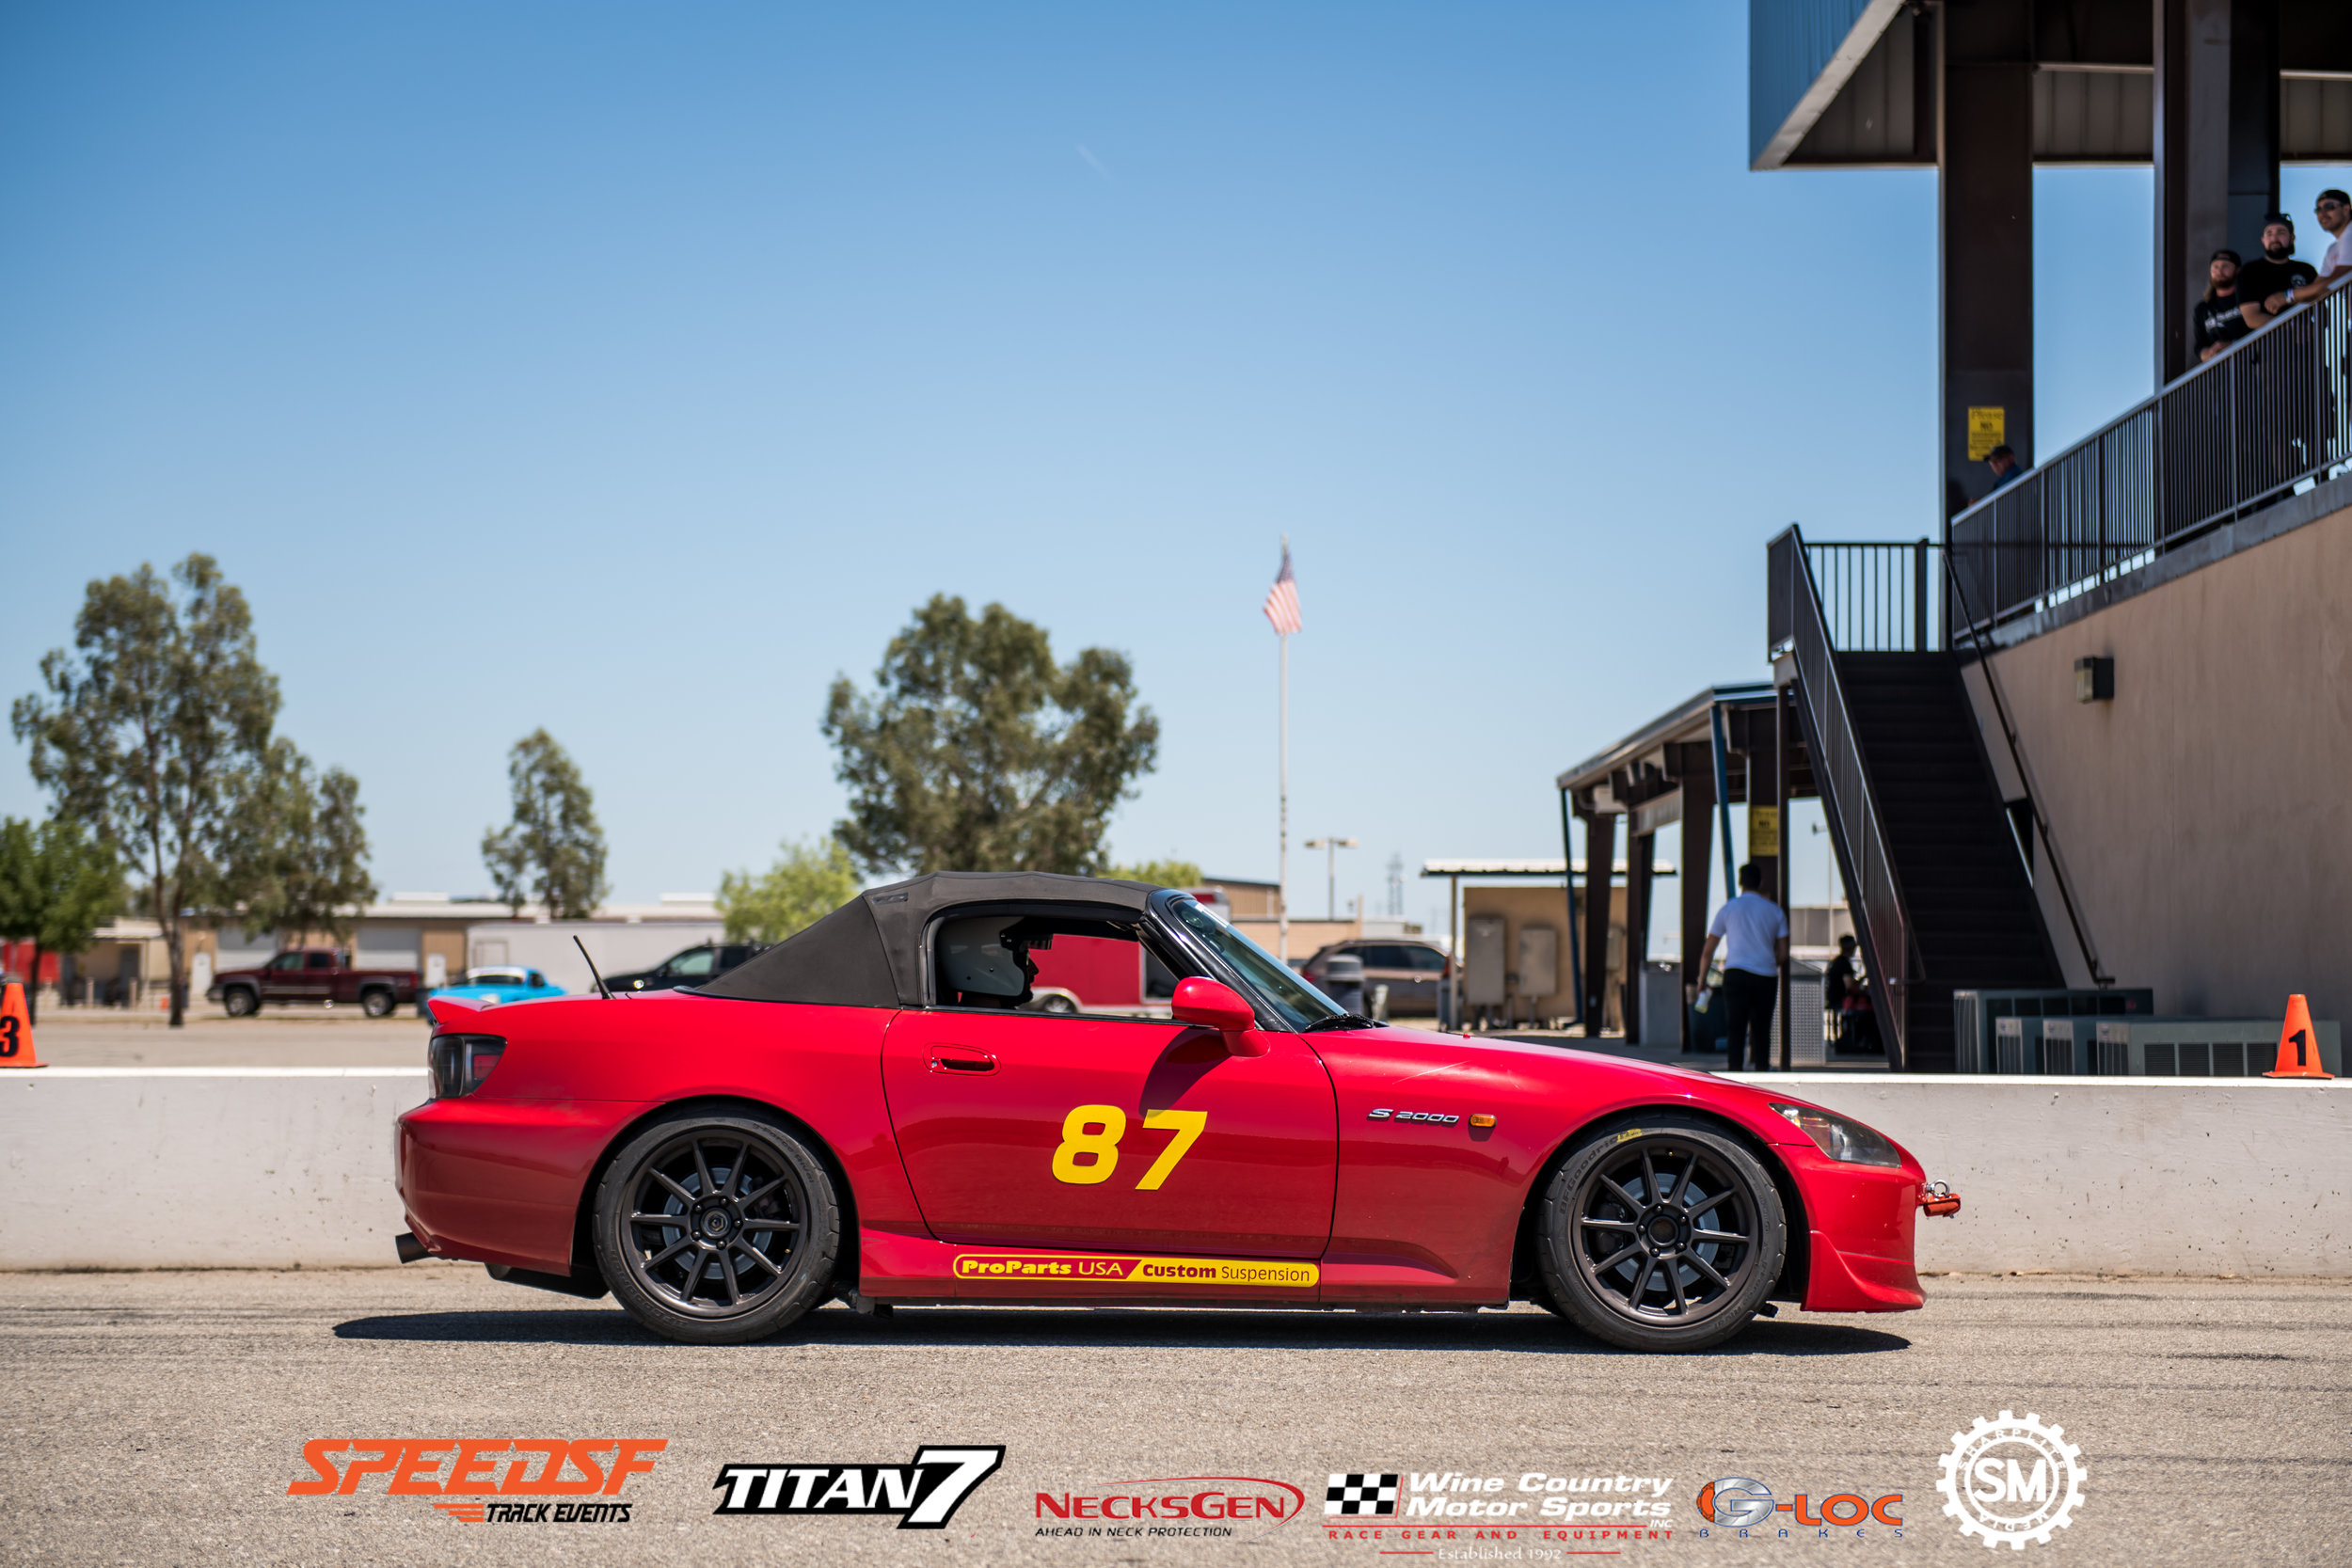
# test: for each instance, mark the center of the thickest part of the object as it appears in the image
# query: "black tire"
(699, 1186)
(1661, 1233)
(240, 1002)
(376, 1004)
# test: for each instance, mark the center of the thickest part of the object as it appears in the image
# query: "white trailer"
(617, 945)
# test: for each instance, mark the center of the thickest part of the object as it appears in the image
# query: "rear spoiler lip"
(451, 1009)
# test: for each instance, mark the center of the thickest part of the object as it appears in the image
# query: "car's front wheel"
(717, 1229)
(1661, 1234)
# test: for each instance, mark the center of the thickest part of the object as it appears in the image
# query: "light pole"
(1330, 847)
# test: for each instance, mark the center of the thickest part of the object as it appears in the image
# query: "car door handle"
(945, 1060)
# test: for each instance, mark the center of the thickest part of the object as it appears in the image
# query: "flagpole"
(1282, 895)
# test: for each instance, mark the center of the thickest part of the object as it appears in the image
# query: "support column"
(1781, 715)
(1698, 832)
(1601, 853)
(2216, 150)
(1641, 858)
(1984, 189)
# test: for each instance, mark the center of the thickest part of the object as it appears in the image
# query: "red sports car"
(868, 1111)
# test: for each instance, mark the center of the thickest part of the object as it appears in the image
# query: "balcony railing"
(2238, 432)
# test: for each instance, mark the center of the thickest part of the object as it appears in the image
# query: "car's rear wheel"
(1661, 1234)
(240, 1002)
(376, 1004)
(717, 1229)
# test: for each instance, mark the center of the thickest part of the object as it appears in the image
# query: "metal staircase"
(1941, 894)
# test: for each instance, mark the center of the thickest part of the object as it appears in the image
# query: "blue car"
(487, 988)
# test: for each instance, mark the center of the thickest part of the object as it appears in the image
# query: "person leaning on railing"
(2221, 318)
(2334, 212)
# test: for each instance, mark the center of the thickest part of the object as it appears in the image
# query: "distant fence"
(2237, 434)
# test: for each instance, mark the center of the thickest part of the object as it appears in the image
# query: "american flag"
(1281, 600)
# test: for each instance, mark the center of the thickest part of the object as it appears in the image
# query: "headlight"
(460, 1063)
(1841, 1139)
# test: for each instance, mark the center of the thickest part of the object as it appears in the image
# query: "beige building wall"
(2205, 812)
(1524, 904)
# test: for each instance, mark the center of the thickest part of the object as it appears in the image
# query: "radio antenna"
(601, 990)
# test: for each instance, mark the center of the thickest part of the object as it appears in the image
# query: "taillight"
(461, 1063)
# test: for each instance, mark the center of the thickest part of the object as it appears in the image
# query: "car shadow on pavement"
(1526, 1332)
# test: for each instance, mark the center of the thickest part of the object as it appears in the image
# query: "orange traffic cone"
(2298, 1042)
(16, 1030)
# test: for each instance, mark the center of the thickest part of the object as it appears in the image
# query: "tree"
(552, 847)
(304, 849)
(160, 723)
(978, 752)
(808, 882)
(57, 886)
(1168, 873)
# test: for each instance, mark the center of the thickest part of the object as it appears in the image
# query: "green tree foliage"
(808, 882)
(57, 886)
(978, 752)
(158, 725)
(304, 847)
(552, 850)
(1170, 873)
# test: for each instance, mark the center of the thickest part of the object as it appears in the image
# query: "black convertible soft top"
(868, 953)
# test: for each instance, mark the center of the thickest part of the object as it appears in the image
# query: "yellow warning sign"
(1763, 831)
(1987, 428)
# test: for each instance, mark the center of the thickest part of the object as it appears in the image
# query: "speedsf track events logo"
(500, 1480)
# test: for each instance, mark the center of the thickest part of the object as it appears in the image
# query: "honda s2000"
(871, 1110)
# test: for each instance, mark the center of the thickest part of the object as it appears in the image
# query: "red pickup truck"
(314, 974)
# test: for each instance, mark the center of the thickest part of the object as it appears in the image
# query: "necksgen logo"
(485, 1467)
(924, 1495)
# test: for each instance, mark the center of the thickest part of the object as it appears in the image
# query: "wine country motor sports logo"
(924, 1494)
(2011, 1481)
(503, 1480)
(1740, 1504)
(1170, 1507)
(1358, 1494)
(1143, 1272)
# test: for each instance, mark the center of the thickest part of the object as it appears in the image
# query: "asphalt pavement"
(161, 1417)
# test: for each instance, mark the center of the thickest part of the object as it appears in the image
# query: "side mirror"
(1215, 1006)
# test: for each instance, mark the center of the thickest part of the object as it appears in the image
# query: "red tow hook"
(1939, 1199)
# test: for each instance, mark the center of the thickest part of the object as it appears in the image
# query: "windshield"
(1277, 983)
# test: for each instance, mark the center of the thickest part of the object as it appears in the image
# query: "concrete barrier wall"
(271, 1167)
(201, 1167)
(2244, 1176)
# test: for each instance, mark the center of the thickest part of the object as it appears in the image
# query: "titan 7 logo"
(924, 1495)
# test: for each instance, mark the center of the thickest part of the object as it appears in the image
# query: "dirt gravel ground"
(308, 1036)
(160, 1418)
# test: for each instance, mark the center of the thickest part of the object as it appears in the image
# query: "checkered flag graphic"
(1357, 1492)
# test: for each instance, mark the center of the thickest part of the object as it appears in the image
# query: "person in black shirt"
(2221, 318)
(2268, 277)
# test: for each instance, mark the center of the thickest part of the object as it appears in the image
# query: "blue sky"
(632, 370)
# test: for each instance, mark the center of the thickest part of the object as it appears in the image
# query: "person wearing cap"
(2334, 212)
(2221, 318)
(2272, 277)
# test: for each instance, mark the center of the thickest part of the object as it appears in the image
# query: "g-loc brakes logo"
(1744, 1503)
(924, 1495)
(1991, 1495)
(486, 1467)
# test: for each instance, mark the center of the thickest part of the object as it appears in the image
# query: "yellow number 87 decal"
(1089, 1144)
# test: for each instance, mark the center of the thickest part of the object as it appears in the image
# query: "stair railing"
(1882, 918)
(2057, 863)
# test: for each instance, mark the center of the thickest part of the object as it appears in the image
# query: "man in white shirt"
(2334, 212)
(1754, 932)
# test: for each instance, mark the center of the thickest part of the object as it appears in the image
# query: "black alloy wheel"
(1661, 1234)
(717, 1229)
(240, 1002)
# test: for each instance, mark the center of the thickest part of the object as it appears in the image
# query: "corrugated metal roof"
(1800, 52)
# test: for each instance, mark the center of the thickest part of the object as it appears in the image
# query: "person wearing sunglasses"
(2334, 212)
